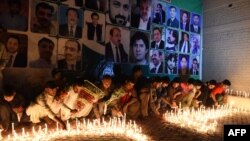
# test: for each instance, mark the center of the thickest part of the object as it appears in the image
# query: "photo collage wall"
(156, 34)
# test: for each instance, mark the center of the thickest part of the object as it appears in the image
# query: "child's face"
(9, 98)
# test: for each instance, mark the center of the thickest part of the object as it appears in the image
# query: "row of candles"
(202, 120)
(85, 127)
(238, 93)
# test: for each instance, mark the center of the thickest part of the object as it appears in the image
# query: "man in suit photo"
(184, 43)
(114, 50)
(94, 30)
(195, 26)
(72, 51)
(16, 58)
(143, 20)
(156, 65)
(194, 70)
(158, 43)
(172, 20)
(184, 25)
(71, 28)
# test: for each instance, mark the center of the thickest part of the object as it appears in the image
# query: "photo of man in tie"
(94, 29)
(172, 20)
(184, 43)
(194, 69)
(159, 15)
(184, 18)
(72, 53)
(73, 26)
(16, 55)
(157, 42)
(114, 50)
(156, 64)
(195, 26)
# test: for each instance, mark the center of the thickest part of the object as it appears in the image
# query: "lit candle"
(12, 127)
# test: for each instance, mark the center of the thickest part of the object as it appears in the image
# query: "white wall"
(226, 42)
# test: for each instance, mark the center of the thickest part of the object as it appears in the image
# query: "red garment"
(218, 90)
(125, 99)
(185, 89)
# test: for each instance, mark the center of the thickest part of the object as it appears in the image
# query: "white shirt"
(184, 48)
(143, 24)
(114, 51)
(196, 28)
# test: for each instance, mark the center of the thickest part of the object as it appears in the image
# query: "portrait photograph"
(116, 44)
(69, 54)
(194, 65)
(141, 12)
(157, 37)
(184, 44)
(184, 20)
(171, 62)
(15, 52)
(172, 39)
(156, 64)
(44, 18)
(139, 47)
(14, 14)
(195, 40)
(70, 22)
(159, 13)
(42, 51)
(183, 64)
(96, 5)
(173, 16)
(94, 26)
(118, 12)
(195, 23)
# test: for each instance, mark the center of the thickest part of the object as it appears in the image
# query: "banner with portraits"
(97, 36)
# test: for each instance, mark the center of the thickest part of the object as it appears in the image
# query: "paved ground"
(159, 130)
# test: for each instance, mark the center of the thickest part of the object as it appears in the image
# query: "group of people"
(62, 99)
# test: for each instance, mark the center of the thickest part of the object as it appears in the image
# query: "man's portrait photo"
(14, 14)
(117, 44)
(183, 64)
(156, 61)
(42, 52)
(158, 12)
(173, 14)
(44, 18)
(139, 48)
(195, 26)
(70, 22)
(69, 55)
(157, 37)
(184, 20)
(194, 65)
(95, 26)
(172, 38)
(171, 63)
(118, 12)
(15, 50)
(184, 45)
(97, 5)
(141, 18)
(195, 40)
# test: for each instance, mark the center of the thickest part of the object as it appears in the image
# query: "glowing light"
(98, 127)
(202, 120)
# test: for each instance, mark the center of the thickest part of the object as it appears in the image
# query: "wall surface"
(226, 42)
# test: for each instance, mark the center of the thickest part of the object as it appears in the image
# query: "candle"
(13, 128)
